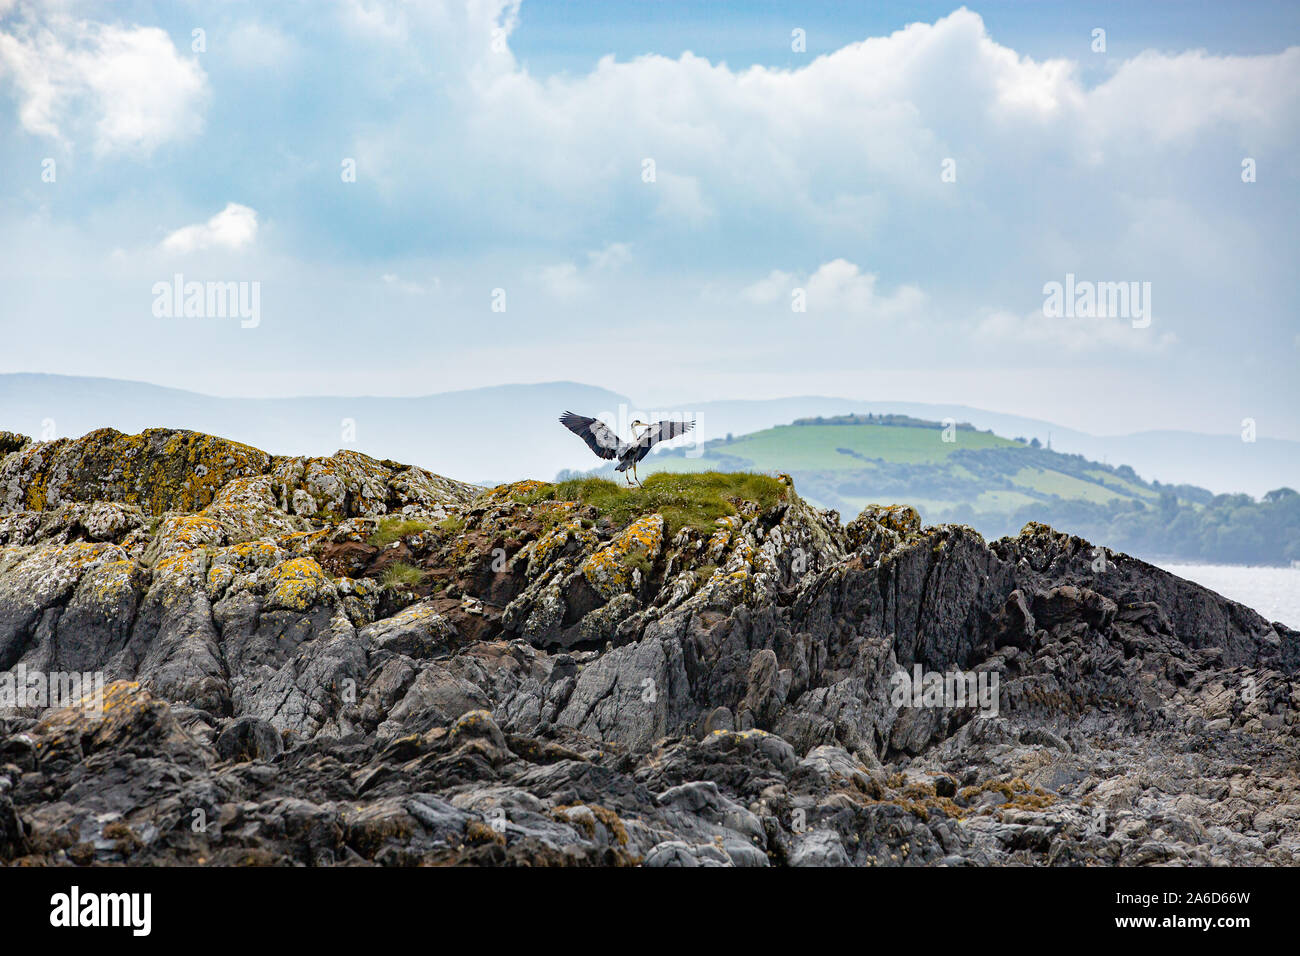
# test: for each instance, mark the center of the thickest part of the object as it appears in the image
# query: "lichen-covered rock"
(159, 470)
(177, 533)
(246, 509)
(618, 566)
(417, 631)
(343, 660)
(879, 529)
(296, 584)
(11, 442)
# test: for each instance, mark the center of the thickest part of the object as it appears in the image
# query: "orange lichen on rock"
(610, 570)
(298, 582)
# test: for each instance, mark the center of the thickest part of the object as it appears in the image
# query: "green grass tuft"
(400, 573)
(394, 529)
(684, 500)
(639, 562)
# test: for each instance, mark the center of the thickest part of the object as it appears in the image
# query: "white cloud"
(394, 281)
(682, 200)
(853, 140)
(460, 35)
(566, 281)
(838, 287)
(1071, 334)
(774, 286)
(232, 228)
(1170, 99)
(613, 256)
(262, 46)
(829, 171)
(128, 84)
(563, 282)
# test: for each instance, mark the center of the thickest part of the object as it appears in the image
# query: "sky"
(679, 202)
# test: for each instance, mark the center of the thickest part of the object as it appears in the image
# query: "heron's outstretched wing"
(599, 437)
(662, 431)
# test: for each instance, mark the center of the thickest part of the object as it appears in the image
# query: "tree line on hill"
(892, 419)
(1233, 529)
(1149, 519)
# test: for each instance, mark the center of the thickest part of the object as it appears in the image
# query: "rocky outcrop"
(344, 660)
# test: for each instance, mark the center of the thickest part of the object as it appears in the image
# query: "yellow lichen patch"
(352, 529)
(34, 497)
(116, 698)
(209, 462)
(247, 556)
(546, 546)
(57, 569)
(348, 483)
(552, 513)
(246, 509)
(719, 540)
(11, 554)
(609, 570)
(359, 587)
(122, 693)
(745, 552)
(219, 578)
(510, 490)
(899, 518)
(297, 584)
(731, 586)
(110, 581)
(527, 492)
(159, 469)
(185, 563)
(558, 510)
(120, 711)
(301, 543)
(81, 555)
(185, 532)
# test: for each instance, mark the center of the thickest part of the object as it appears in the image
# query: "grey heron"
(602, 439)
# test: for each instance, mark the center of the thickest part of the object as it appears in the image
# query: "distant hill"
(850, 462)
(509, 431)
(1221, 463)
(996, 485)
(480, 435)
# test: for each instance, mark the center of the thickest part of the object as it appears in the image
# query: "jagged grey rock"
(541, 684)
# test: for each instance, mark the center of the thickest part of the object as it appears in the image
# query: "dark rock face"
(551, 689)
(248, 738)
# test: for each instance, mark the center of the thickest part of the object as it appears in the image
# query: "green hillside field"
(996, 485)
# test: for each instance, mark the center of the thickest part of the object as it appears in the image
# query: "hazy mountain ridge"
(509, 431)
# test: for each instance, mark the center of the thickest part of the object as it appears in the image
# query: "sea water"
(1273, 592)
